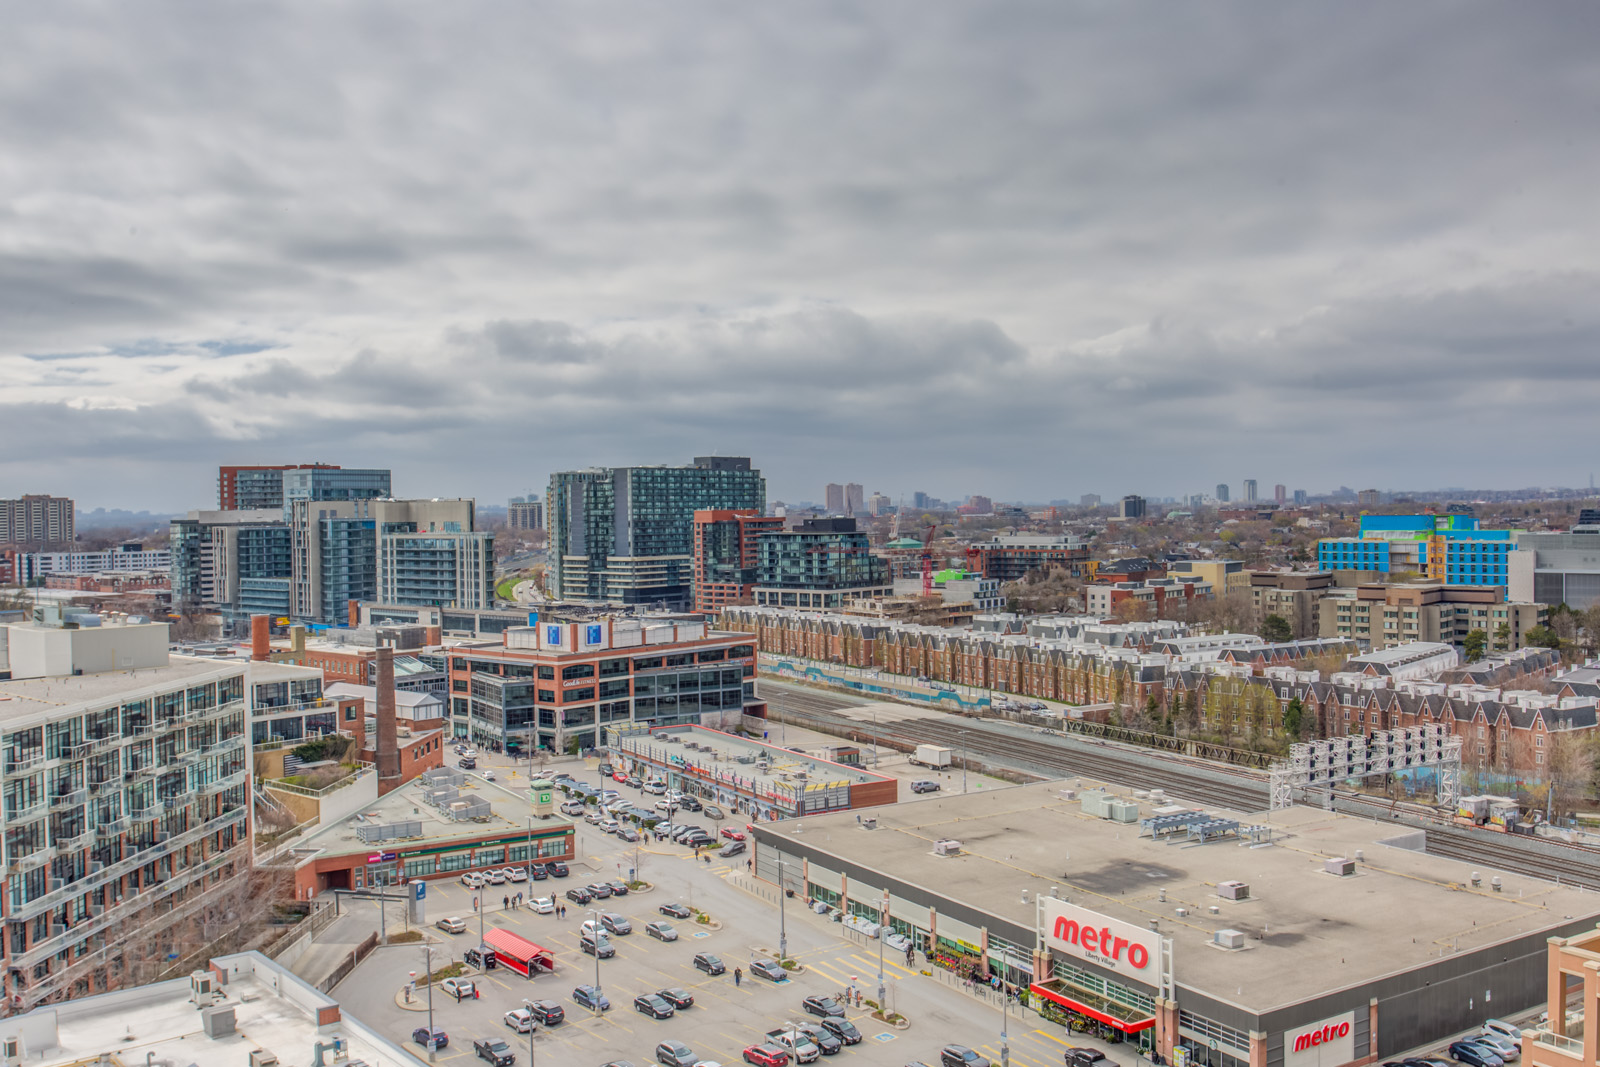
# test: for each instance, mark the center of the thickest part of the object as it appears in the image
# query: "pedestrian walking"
(738, 976)
(505, 902)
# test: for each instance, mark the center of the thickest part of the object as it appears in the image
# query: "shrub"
(405, 937)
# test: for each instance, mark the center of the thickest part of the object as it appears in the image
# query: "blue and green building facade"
(1449, 548)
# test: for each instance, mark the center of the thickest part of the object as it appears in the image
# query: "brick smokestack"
(388, 731)
(354, 608)
(260, 638)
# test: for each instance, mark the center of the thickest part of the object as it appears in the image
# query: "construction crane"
(927, 559)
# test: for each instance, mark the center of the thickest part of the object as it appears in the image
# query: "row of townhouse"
(1078, 661)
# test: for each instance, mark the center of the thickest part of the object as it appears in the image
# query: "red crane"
(927, 560)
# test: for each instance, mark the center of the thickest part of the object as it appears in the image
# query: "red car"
(731, 834)
(767, 1056)
(619, 777)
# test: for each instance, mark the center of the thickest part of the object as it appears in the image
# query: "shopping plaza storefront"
(1140, 939)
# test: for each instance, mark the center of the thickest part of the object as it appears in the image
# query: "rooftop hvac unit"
(1233, 890)
(1228, 939)
(217, 1020)
(946, 848)
(1126, 811)
(1340, 866)
(260, 1057)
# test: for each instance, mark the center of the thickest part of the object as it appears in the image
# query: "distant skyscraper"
(1368, 498)
(38, 519)
(919, 500)
(1089, 500)
(855, 499)
(245, 488)
(1299, 498)
(1249, 490)
(525, 514)
(1222, 492)
(1280, 493)
(335, 483)
(1132, 507)
(833, 499)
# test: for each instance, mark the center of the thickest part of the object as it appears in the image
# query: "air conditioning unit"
(1233, 890)
(1228, 939)
(1339, 866)
(947, 848)
(260, 1057)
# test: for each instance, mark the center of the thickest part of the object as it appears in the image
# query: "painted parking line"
(1052, 1037)
(889, 965)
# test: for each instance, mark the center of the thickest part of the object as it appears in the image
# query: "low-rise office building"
(1149, 918)
(1009, 557)
(754, 779)
(1557, 568)
(1387, 615)
(1292, 596)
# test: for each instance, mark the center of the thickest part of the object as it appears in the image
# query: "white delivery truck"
(930, 756)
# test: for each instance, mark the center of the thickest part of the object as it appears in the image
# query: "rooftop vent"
(1233, 890)
(947, 848)
(217, 1021)
(1339, 866)
(1230, 939)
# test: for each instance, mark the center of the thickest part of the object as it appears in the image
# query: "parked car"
(615, 924)
(618, 889)
(689, 804)
(822, 1006)
(713, 812)
(1083, 1057)
(674, 1054)
(421, 1035)
(547, 1012)
(732, 848)
(678, 998)
(1474, 1055)
(1503, 1028)
(495, 1050)
(609, 826)
(654, 1006)
(961, 1056)
(482, 957)
(593, 815)
(924, 786)
(799, 1045)
(572, 807)
(675, 910)
(472, 880)
(543, 905)
(557, 869)
(599, 890)
(1503, 1046)
(453, 925)
(710, 964)
(598, 947)
(494, 877)
(731, 834)
(520, 1019)
(635, 781)
(769, 970)
(767, 1056)
(516, 874)
(460, 988)
(655, 787)
(661, 931)
(843, 1029)
(628, 834)
(579, 895)
(587, 996)
(696, 838)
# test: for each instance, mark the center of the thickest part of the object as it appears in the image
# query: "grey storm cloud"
(1027, 249)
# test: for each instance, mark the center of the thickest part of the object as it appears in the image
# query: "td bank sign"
(1113, 945)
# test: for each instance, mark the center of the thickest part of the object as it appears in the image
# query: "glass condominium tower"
(625, 535)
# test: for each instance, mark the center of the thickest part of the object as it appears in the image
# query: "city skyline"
(1171, 238)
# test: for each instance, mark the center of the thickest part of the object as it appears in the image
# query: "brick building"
(1010, 556)
(725, 556)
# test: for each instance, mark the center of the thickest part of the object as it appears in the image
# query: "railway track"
(998, 744)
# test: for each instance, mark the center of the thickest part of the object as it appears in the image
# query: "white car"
(458, 987)
(543, 905)
(593, 815)
(655, 787)
(610, 826)
(488, 776)
(520, 1020)
(494, 877)
(1510, 1031)
(472, 880)
(516, 874)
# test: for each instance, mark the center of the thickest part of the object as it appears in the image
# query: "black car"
(467, 763)
(421, 1035)
(599, 890)
(1474, 1055)
(843, 1029)
(538, 872)
(618, 889)
(823, 1039)
(579, 895)
(557, 869)
(587, 996)
(602, 950)
(732, 848)
(1083, 1057)
(710, 964)
(635, 781)
(824, 1006)
(770, 970)
(677, 911)
(961, 1056)
(496, 1051)
(674, 1054)
(653, 1006)
(678, 998)
(547, 1012)
(689, 804)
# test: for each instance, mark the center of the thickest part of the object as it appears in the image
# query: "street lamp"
(595, 937)
(428, 958)
(528, 858)
(783, 928)
(1005, 1044)
(883, 926)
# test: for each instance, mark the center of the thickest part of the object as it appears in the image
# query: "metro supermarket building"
(1240, 952)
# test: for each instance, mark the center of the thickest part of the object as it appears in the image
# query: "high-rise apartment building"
(126, 795)
(1132, 507)
(725, 555)
(525, 514)
(821, 565)
(855, 499)
(39, 520)
(833, 498)
(1249, 490)
(1280, 494)
(430, 555)
(257, 486)
(1089, 500)
(625, 535)
(235, 563)
(1369, 498)
(878, 504)
(334, 483)
(1222, 492)
(1299, 498)
(919, 500)
(335, 558)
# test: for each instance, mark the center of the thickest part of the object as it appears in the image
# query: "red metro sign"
(1109, 943)
(1324, 1036)
(1326, 1043)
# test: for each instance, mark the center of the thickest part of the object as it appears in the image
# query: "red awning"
(1061, 993)
(506, 943)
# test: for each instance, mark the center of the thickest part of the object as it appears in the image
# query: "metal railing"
(1570, 1046)
(362, 770)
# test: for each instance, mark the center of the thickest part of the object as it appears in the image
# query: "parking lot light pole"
(1005, 1044)
(428, 962)
(883, 928)
(528, 1004)
(595, 937)
(528, 859)
(783, 928)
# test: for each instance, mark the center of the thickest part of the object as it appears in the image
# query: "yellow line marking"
(1052, 1037)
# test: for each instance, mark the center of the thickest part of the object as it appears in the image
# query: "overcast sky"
(1028, 250)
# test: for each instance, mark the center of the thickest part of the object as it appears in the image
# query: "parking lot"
(725, 1018)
